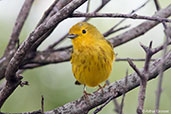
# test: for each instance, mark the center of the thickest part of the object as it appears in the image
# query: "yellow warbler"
(92, 55)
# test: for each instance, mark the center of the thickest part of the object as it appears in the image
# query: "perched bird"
(92, 55)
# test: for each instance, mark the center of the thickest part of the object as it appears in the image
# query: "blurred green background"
(56, 82)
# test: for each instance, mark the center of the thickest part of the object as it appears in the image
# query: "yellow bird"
(92, 55)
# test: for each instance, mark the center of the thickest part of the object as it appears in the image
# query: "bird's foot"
(101, 88)
(86, 95)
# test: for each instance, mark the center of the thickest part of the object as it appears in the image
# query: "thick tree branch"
(114, 90)
(51, 19)
(25, 47)
(104, 2)
(140, 29)
(10, 50)
(63, 55)
(8, 89)
(37, 33)
(51, 11)
(116, 41)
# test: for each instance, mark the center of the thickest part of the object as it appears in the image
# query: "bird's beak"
(72, 36)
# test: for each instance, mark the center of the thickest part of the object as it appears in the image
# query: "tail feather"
(77, 82)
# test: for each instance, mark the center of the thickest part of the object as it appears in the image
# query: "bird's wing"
(110, 44)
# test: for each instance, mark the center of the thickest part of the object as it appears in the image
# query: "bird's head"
(83, 33)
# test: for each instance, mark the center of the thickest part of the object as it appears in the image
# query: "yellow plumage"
(92, 55)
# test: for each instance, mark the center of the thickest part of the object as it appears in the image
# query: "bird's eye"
(84, 31)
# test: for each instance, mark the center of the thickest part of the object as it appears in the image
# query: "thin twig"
(107, 33)
(104, 2)
(121, 21)
(117, 15)
(132, 59)
(23, 83)
(143, 76)
(166, 40)
(137, 31)
(115, 102)
(118, 108)
(21, 18)
(103, 105)
(57, 42)
(141, 96)
(42, 104)
(157, 4)
(159, 87)
(148, 56)
(155, 50)
(47, 12)
(135, 68)
(123, 96)
(88, 6)
(51, 11)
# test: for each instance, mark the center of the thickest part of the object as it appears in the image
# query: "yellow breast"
(92, 64)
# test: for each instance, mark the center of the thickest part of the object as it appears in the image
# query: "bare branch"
(121, 21)
(143, 77)
(47, 12)
(14, 38)
(88, 6)
(23, 83)
(12, 80)
(123, 96)
(57, 42)
(155, 50)
(63, 55)
(104, 2)
(111, 31)
(22, 16)
(159, 88)
(140, 29)
(157, 5)
(116, 15)
(149, 54)
(80, 106)
(116, 41)
(103, 105)
(132, 59)
(135, 68)
(54, 8)
(37, 33)
(168, 36)
(115, 102)
(7, 90)
(118, 108)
